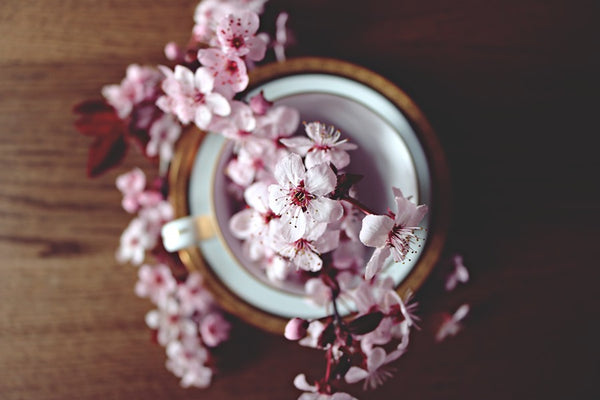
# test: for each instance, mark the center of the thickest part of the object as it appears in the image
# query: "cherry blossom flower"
(168, 322)
(140, 83)
(238, 125)
(312, 391)
(299, 196)
(405, 310)
(155, 282)
(277, 122)
(321, 146)
(164, 132)
(186, 361)
(305, 252)
(253, 222)
(236, 35)
(276, 267)
(374, 375)
(452, 323)
(229, 72)
(190, 96)
(193, 296)
(459, 273)
(154, 217)
(214, 329)
(135, 240)
(380, 295)
(209, 13)
(131, 184)
(391, 234)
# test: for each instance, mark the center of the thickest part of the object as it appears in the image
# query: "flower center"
(300, 197)
(199, 97)
(237, 42)
(231, 67)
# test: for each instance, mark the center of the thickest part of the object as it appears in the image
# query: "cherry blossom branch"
(356, 203)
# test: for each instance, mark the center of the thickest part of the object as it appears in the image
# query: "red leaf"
(365, 323)
(104, 154)
(99, 119)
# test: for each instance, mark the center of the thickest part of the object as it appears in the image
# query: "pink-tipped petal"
(375, 230)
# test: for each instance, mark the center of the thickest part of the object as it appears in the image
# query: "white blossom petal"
(320, 180)
(322, 209)
(204, 80)
(376, 262)
(375, 230)
(290, 170)
(302, 384)
(355, 374)
(218, 104)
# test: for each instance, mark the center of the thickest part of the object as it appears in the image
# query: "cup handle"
(187, 231)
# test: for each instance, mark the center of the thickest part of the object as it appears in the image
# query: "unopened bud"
(296, 329)
(259, 104)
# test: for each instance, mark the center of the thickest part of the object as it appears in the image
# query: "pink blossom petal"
(375, 230)
(329, 241)
(204, 80)
(299, 145)
(257, 197)
(242, 116)
(301, 383)
(202, 117)
(257, 47)
(320, 179)
(184, 76)
(376, 262)
(336, 157)
(241, 224)
(376, 359)
(290, 170)
(218, 104)
(278, 198)
(307, 260)
(294, 225)
(355, 374)
(325, 210)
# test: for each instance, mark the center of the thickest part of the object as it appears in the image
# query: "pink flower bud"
(214, 329)
(172, 51)
(259, 104)
(296, 329)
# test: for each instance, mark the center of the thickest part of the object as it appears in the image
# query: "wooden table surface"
(509, 87)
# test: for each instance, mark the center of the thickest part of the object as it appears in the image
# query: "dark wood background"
(510, 87)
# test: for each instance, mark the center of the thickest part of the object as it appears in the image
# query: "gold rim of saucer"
(187, 147)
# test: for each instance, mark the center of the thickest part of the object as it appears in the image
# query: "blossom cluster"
(186, 321)
(299, 213)
(299, 216)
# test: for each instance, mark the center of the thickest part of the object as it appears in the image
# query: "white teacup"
(368, 110)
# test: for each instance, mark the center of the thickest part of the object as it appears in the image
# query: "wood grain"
(510, 88)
